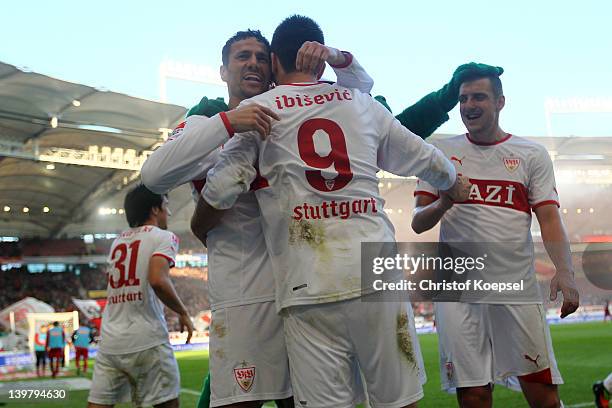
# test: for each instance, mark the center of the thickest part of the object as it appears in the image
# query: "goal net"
(69, 321)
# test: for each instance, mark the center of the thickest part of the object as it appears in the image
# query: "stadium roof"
(74, 149)
(47, 130)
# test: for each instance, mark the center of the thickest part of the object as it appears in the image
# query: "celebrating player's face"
(479, 107)
(248, 70)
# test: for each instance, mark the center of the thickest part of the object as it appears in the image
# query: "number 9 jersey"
(133, 319)
(322, 198)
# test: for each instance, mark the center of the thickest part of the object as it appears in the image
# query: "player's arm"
(557, 245)
(159, 279)
(431, 205)
(233, 173)
(312, 56)
(205, 217)
(431, 111)
(428, 211)
(231, 176)
(544, 200)
(175, 162)
(403, 153)
(178, 161)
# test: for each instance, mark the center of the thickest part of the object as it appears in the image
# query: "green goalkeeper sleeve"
(204, 400)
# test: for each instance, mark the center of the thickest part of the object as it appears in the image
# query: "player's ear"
(275, 65)
(223, 72)
(501, 102)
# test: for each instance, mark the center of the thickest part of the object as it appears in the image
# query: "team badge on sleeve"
(245, 377)
(512, 163)
(177, 131)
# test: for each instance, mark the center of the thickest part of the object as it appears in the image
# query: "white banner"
(202, 320)
(92, 309)
(20, 310)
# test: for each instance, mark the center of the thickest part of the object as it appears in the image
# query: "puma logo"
(533, 360)
(460, 161)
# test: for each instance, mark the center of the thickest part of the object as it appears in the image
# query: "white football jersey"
(322, 202)
(509, 179)
(240, 271)
(133, 319)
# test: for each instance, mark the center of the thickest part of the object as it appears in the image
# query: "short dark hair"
(239, 36)
(290, 35)
(138, 205)
(496, 84)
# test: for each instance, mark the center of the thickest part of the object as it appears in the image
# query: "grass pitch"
(583, 351)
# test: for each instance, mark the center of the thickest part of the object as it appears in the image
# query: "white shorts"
(248, 357)
(489, 343)
(330, 343)
(147, 377)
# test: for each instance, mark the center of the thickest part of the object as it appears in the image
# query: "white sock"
(607, 383)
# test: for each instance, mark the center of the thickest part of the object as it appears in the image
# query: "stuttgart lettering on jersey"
(301, 101)
(339, 209)
(125, 297)
(499, 193)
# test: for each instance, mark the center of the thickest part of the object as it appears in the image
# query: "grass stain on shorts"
(404, 342)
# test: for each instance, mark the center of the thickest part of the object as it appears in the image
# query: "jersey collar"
(508, 136)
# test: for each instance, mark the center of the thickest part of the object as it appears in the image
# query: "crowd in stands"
(53, 247)
(58, 288)
(10, 250)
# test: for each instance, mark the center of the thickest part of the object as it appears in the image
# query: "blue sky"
(548, 48)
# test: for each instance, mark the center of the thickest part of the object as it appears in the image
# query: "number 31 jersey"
(322, 199)
(133, 319)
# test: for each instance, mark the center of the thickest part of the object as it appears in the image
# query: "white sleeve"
(167, 247)
(542, 189)
(182, 158)
(403, 153)
(234, 172)
(425, 189)
(352, 75)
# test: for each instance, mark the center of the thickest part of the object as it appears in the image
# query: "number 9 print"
(338, 155)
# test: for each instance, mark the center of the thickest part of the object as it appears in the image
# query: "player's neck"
(234, 101)
(152, 222)
(295, 77)
(489, 135)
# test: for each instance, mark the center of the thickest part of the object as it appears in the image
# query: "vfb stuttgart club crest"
(245, 377)
(512, 163)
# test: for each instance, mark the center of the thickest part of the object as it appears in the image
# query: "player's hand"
(564, 282)
(252, 117)
(312, 56)
(460, 191)
(185, 322)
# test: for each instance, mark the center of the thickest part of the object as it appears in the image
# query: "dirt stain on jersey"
(404, 342)
(304, 231)
(219, 330)
(220, 353)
